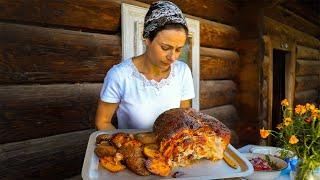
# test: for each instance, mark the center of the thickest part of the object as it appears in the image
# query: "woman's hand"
(104, 115)
(185, 103)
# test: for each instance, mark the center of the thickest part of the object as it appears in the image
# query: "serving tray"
(204, 169)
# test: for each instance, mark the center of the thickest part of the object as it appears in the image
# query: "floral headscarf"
(161, 13)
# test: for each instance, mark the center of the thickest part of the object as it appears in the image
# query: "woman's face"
(166, 47)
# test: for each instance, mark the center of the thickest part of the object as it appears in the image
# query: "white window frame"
(132, 18)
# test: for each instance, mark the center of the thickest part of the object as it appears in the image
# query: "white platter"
(205, 169)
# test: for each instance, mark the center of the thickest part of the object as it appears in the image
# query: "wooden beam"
(216, 93)
(266, 67)
(307, 53)
(215, 10)
(308, 96)
(86, 14)
(290, 73)
(307, 82)
(308, 67)
(216, 35)
(227, 114)
(291, 19)
(54, 157)
(286, 33)
(33, 111)
(218, 64)
(303, 11)
(31, 54)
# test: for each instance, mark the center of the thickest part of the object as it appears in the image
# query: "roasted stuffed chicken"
(179, 138)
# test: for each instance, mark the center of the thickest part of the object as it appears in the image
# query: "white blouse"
(141, 100)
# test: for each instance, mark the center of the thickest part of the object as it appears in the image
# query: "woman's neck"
(149, 70)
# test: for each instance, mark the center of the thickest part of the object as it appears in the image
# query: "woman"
(141, 88)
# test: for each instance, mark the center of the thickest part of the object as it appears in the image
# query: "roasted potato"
(103, 137)
(137, 165)
(151, 151)
(158, 166)
(131, 148)
(146, 138)
(110, 164)
(120, 138)
(102, 151)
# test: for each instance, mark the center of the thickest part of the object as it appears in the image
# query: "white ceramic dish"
(274, 151)
(205, 169)
(266, 175)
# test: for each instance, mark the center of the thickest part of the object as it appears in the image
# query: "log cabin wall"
(53, 58)
(288, 23)
(250, 48)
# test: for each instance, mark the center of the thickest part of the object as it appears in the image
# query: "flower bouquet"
(299, 132)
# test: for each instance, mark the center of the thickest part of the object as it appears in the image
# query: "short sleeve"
(111, 90)
(187, 85)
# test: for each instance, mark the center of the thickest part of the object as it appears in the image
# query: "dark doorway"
(279, 70)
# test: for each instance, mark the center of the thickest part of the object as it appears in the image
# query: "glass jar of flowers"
(299, 132)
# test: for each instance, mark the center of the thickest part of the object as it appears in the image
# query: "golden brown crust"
(217, 126)
(132, 148)
(146, 138)
(174, 121)
(102, 151)
(151, 151)
(102, 138)
(137, 165)
(119, 139)
(110, 164)
(158, 166)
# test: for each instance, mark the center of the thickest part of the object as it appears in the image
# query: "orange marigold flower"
(300, 109)
(287, 121)
(315, 115)
(279, 126)
(310, 107)
(264, 133)
(293, 140)
(285, 102)
(315, 110)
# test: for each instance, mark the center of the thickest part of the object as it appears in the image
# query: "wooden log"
(248, 49)
(219, 11)
(227, 114)
(249, 76)
(266, 66)
(302, 10)
(248, 105)
(307, 82)
(216, 93)
(287, 33)
(307, 53)
(30, 54)
(216, 35)
(101, 15)
(308, 67)
(293, 20)
(50, 109)
(309, 96)
(104, 15)
(86, 14)
(218, 64)
(54, 157)
(247, 132)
